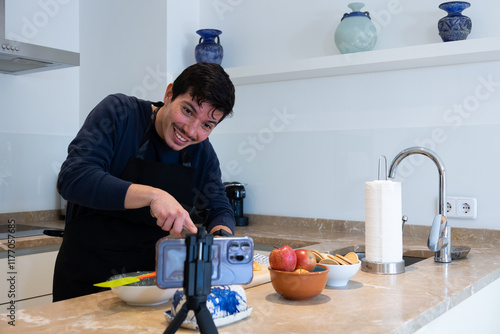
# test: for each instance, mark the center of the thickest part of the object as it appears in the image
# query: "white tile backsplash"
(29, 164)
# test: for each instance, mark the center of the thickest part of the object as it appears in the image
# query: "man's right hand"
(169, 214)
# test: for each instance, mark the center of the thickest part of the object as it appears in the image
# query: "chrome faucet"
(440, 234)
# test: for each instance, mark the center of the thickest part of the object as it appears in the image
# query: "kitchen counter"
(27, 245)
(370, 303)
(49, 219)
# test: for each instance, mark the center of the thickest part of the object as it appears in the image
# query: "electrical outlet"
(461, 207)
(451, 207)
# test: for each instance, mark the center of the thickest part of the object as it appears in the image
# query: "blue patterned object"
(223, 301)
(454, 26)
(355, 32)
(209, 49)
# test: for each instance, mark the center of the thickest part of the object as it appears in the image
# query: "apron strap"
(147, 135)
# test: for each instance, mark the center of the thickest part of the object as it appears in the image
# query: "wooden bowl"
(296, 286)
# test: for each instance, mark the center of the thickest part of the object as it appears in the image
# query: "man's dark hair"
(207, 82)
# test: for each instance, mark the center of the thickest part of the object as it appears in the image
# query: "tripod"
(197, 283)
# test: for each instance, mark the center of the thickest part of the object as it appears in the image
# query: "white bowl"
(339, 275)
(142, 293)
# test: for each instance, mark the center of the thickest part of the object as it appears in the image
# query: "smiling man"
(138, 171)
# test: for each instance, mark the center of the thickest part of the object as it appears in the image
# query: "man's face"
(183, 122)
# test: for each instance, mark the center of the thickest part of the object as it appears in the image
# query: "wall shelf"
(428, 55)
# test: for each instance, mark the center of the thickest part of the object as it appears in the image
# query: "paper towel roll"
(383, 222)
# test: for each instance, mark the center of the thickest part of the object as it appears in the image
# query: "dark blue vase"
(209, 49)
(454, 26)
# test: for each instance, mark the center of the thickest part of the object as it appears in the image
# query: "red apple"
(283, 258)
(305, 259)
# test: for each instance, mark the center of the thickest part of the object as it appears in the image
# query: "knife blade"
(124, 281)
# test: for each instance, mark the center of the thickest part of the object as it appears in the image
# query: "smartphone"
(232, 261)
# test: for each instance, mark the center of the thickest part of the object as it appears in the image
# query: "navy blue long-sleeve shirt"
(111, 134)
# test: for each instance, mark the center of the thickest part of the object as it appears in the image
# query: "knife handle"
(54, 232)
(153, 274)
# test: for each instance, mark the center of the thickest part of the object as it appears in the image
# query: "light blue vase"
(355, 32)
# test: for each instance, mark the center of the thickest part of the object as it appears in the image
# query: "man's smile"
(180, 137)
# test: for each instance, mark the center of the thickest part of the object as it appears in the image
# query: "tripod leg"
(205, 320)
(177, 321)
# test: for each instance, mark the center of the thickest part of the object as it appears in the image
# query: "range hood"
(21, 58)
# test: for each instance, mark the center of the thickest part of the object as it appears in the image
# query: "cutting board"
(259, 277)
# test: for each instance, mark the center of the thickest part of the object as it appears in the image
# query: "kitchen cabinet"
(31, 278)
(428, 55)
(475, 314)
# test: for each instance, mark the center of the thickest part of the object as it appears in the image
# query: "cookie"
(319, 256)
(329, 261)
(330, 256)
(342, 259)
(352, 256)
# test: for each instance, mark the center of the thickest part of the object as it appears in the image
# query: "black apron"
(100, 243)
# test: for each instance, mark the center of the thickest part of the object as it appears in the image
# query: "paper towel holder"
(382, 169)
(385, 268)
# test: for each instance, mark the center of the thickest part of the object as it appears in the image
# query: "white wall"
(183, 19)
(318, 158)
(318, 161)
(39, 112)
(262, 31)
(123, 49)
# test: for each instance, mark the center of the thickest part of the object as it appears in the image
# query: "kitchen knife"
(124, 281)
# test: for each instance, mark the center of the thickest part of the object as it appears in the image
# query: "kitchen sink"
(409, 260)
(409, 256)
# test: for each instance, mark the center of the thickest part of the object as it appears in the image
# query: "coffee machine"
(235, 191)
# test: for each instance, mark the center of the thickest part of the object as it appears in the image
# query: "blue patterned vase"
(355, 32)
(454, 26)
(209, 49)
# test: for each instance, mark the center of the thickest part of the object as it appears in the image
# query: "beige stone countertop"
(370, 303)
(36, 240)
